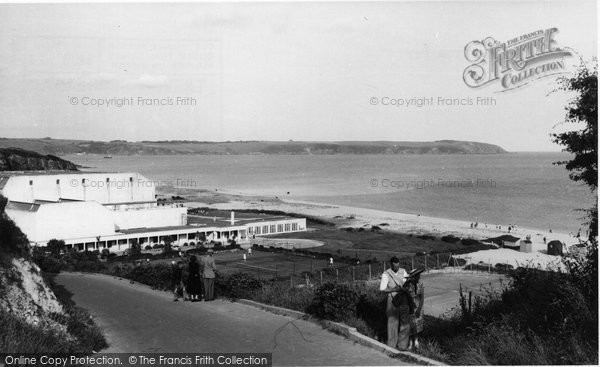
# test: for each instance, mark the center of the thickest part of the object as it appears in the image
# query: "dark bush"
(49, 264)
(158, 276)
(470, 242)
(334, 302)
(147, 247)
(426, 237)
(371, 308)
(450, 239)
(503, 267)
(12, 239)
(238, 285)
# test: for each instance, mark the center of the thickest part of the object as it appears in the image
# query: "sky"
(341, 71)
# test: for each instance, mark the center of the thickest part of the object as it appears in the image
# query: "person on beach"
(417, 292)
(194, 285)
(177, 280)
(208, 273)
(398, 327)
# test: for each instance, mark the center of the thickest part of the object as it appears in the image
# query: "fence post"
(425, 261)
(336, 275)
(321, 277)
(291, 281)
(306, 280)
(437, 260)
(369, 271)
(490, 266)
(412, 263)
(353, 278)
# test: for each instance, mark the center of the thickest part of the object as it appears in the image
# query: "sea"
(525, 189)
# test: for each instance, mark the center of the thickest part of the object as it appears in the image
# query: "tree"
(582, 143)
(135, 248)
(55, 246)
(168, 244)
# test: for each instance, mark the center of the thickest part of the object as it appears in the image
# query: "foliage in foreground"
(540, 318)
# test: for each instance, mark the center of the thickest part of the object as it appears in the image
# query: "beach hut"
(556, 248)
(511, 242)
(526, 246)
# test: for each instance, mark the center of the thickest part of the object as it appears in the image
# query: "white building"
(112, 210)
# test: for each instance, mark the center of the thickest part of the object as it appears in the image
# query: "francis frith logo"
(516, 62)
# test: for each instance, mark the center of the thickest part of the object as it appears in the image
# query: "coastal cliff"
(175, 147)
(33, 318)
(16, 159)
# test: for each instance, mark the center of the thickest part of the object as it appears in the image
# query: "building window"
(294, 226)
(280, 228)
(257, 230)
(272, 228)
(287, 227)
(250, 230)
(265, 229)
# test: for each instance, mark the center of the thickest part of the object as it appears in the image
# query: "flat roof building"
(96, 210)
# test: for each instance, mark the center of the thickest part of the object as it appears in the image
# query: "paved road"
(138, 319)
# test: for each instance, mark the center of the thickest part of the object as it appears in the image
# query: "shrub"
(279, 293)
(49, 264)
(238, 285)
(158, 276)
(147, 247)
(371, 308)
(20, 337)
(502, 268)
(450, 239)
(469, 242)
(334, 302)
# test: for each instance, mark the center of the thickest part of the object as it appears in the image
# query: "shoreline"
(364, 217)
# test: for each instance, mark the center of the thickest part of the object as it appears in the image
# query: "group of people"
(200, 282)
(405, 299)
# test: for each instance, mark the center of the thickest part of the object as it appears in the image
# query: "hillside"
(33, 319)
(173, 147)
(15, 159)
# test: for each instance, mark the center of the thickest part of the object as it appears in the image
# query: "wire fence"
(308, 272)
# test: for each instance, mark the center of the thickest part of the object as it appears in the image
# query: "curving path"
(138, 319)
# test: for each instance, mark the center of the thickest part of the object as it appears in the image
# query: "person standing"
(417, 292)
(208, 272)
(391, 283)
(177, 280)
(194, 285)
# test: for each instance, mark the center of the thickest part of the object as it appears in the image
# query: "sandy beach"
(345, 216)
(362, 217)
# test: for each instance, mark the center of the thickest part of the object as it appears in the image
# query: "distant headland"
(188, 147)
